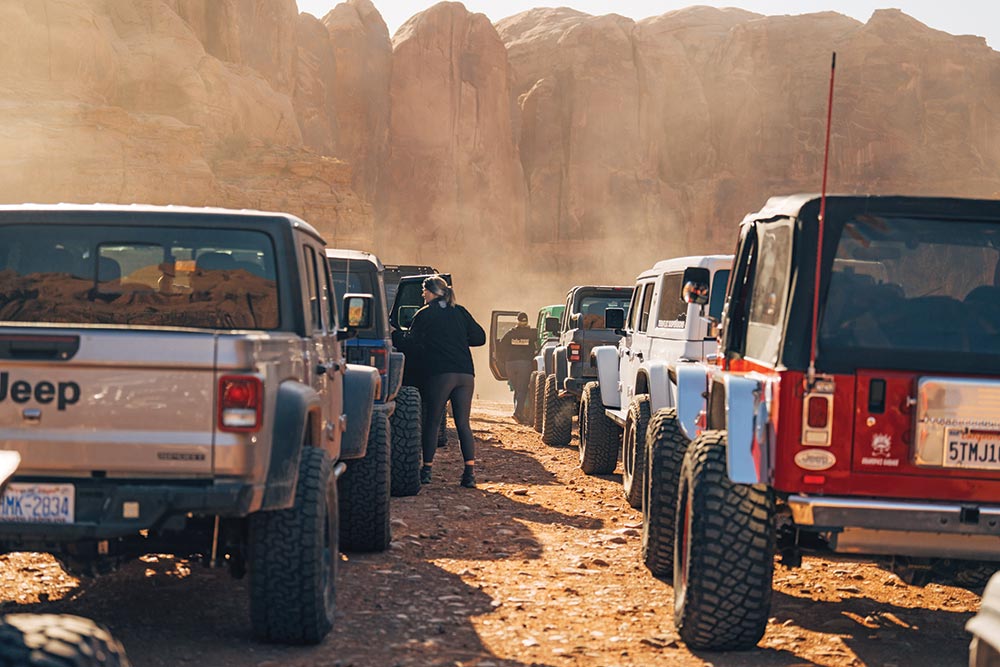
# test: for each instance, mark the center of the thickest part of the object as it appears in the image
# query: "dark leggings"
(438, 390)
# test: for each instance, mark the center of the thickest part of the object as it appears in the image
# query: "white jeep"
(633, 381)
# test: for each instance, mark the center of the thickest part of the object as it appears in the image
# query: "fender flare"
(561, 366)
(549, 357)
(362, 386)
(658, 380)
(294, 403)
(748, 429)
(692, 387)
(394, 378)
(608, 374)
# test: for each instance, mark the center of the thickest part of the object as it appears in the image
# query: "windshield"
(916, 285)
(145, 276)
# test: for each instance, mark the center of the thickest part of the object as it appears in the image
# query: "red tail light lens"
(818, 412)
(573, 352)
(814, 479)
(240, 402)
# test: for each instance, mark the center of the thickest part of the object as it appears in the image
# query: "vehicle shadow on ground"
(878, 631)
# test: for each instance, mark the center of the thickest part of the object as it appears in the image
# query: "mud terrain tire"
(723, 554)
(634, 449)
(364, 494)
(600, 437)
(665, 447)
(529, 399)
(404, 427)
(293, 556)
(539, 401)
(57, 640)
(557, 417)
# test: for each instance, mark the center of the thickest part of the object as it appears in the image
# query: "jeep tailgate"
(115, 402)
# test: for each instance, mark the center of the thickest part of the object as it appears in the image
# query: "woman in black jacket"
(441, 334)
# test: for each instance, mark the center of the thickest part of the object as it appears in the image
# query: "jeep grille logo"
(21, 391)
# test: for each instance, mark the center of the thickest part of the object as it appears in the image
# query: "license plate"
(972, 449)
(37, 503)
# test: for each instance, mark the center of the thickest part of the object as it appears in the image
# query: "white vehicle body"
(660, 331)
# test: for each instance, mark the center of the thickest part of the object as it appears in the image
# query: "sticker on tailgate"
(24, 502)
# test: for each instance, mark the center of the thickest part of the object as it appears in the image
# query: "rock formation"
(585, 146)
(453, 182)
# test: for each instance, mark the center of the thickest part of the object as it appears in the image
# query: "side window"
(647, 305)
(673, 311)
(633, 310)
(312, 288)
(769, 293)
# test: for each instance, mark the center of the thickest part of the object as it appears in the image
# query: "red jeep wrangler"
(864, 421)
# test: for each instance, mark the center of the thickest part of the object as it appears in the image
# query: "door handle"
(638, 355)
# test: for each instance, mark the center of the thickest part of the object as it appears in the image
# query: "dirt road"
(538, 566)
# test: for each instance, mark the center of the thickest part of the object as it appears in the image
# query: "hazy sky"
(959, 17)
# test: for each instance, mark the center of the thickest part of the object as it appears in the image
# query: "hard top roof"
(705, 261)
(354, 255)
(66, 212)
(790, 206)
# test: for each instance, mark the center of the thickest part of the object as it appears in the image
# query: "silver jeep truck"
(174, 383)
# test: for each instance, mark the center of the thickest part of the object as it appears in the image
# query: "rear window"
(917, 285)
(592, 307)
(138, 276)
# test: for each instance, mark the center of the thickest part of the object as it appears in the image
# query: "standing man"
(516, 352)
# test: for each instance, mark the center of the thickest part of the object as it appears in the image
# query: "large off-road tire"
(406, 456)
(665, 447)
(529, 399)
(57, 640)
(557, 416)
(539, 398)
(292, 558)
(723, 552)
(364, 494)
(634, 449)
(600, 437)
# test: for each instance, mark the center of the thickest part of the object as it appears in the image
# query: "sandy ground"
(538, 566)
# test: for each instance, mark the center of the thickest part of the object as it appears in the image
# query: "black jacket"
(441, 336)
(518, 344)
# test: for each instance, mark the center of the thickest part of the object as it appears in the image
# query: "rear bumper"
(107, 509)
(904, 528)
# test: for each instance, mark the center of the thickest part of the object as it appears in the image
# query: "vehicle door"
(672, 325)
(326, 363)
(408, 300)
(641, 339)
(501, 321)
(628, 364)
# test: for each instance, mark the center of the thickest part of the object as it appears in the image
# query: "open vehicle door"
(501, 321)
(409, 299)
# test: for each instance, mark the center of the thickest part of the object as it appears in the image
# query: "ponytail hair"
(437, 286)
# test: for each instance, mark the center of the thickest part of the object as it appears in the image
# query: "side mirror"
(614, 318)
(696, 285)
(552, 325)
(356, 314)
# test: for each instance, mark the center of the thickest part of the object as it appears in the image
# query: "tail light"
(817, 408)
(817, 411)
(574, 352)
(240, 401)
